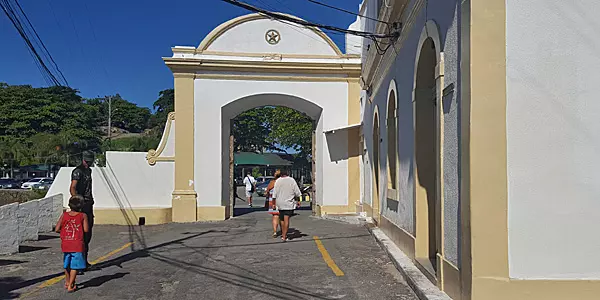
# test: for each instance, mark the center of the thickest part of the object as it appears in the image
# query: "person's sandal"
(274, 234)
(73, 289)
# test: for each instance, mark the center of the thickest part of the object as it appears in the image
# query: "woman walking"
(272, 209)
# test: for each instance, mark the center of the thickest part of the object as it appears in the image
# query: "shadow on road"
(98, 281)
(252, 281)
(6, 262)
(26, 249)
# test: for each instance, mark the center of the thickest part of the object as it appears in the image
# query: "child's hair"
(76, 203)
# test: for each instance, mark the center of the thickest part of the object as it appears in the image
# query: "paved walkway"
(234, 259)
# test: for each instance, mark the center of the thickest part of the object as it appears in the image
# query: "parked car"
(44, 185)
(9, 183)
(261, 188)
(35, 182)
(263, 179)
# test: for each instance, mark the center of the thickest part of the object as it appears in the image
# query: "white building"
(247, 62)
(481, 162)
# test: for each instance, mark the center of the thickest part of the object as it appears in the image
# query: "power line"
(346, 11)
(345, 41)
(42, 43)
(15, 18)
(278, 16)
(96, 40)
(309, 24)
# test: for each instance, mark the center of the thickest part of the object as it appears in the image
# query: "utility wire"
(346, 11)
(39, 39)
(16, 19)
(308, 24)
(278, 16)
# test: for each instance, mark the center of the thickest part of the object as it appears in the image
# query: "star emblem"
(272, 37)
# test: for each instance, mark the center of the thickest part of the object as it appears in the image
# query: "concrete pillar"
(184, 196)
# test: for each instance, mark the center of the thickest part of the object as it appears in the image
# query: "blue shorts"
(74, 261)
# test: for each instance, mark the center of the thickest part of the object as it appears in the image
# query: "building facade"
(478, 161)
(247, 62)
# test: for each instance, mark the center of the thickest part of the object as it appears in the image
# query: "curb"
(424, 289)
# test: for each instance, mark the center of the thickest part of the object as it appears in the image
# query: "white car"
(37, 182)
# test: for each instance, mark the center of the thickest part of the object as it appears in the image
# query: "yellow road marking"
(58, 279)
(327, 257)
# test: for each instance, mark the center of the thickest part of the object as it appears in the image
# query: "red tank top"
(71, 233)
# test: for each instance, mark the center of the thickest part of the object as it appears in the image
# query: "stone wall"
(28, 221)
(9, 229)
(45, 215)
(23, 222)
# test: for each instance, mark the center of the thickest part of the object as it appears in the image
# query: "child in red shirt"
(72, 225)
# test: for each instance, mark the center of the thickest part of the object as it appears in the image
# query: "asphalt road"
(233, 259)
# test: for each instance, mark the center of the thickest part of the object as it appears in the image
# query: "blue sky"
(107, 47)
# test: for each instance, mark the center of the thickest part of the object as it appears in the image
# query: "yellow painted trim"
(327, 258)
(221, 29)
(281, 55)
(392, 186)
(154, 155)
(376, 165)
(191, 65)
(484, 189)
(184, 196)
(129, 216)
(450, 279)
(334, 209)
(57, 279)
(429, 31)
(403, 239)
(487, 159)
(368, 209)
(275, 78)
(354, 151)
(212, 213)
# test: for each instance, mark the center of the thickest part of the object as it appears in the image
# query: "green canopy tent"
(256, 159)
(268, 162)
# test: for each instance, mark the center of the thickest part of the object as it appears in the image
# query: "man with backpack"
(250, 184)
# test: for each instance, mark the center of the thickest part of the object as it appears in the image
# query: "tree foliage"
(55, 124)
(273, 128)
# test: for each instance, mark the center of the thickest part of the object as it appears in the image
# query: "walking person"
(72, 226)
(81, 184)
(284, 197)
(250, 184)
(271, 204)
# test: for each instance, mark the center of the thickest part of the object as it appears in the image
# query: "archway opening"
(264, 133)
(392, 152)
(376, 141)
(426, 154)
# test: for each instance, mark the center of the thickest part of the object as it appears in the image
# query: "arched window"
(392, 141)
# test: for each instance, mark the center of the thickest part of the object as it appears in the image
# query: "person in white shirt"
(250, 184)
(285, 193)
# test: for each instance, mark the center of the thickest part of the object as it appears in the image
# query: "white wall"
(553, 123)
(212, 95)
(127, 181)
(250, 37)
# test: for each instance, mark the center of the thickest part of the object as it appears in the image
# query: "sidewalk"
(234, 259)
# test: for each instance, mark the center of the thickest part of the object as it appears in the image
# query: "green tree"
(162, 107)
(291, 129)
(125, 115)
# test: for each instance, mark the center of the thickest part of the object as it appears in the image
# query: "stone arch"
(392, 140)
(427, 118)
(237, 106)
(224, 27)
(375, 162)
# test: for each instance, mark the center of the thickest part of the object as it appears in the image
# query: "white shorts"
(248, 194)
